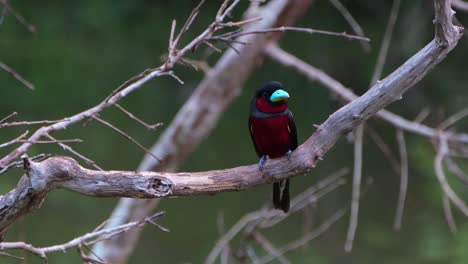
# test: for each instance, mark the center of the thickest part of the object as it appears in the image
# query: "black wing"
(253, 140)
(292, 131)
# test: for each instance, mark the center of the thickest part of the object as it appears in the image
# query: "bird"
(273, 133)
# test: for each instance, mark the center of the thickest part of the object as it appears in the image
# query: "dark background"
(85, 49)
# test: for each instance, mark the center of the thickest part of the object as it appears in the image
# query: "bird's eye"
(265, 95)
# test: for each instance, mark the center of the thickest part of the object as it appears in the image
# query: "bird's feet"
(261, 162)
(288, 154)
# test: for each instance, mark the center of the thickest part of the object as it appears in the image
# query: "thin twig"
(385, 43)
(357, 175)
(449, 214)
(228, 37)
(10, 255)
(455, 169)
(73, 140)
(18, 77)
(269, 247)
(31, 28)
(130, 85)
(8, 117)
(30, 123)
(125, 135)
(422, 115)
(307, 237)
(3, 14)
(451, 120)
(352, 22)
(84, 239)
(383, 146)
(403, 179)
(461, 5)
(132, 116)
(347, 95)
(439, 170)
(14, 141)
(266, 218)
(74, 152)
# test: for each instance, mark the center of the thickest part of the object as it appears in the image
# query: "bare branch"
(74, 152)
(196, 119)
(132, 116)
(347, 95)
(449, 214)
(125, 135)
(352, 22)
(19, 164)
(15, 140)
(229, 37)
(18, 77)
(403, 179)
(461, 5)
(357, 175)
(87, 239)
(385, 42)
(31, 189)
(127, 87)
(8, 117)
(266, 218)
(455, 169)
(450, 121)
(383, 146)
(269, 247)
(307, 237)
(439, 170)
(422, 115)
(31, 28)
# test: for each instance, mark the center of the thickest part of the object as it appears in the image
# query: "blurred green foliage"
(85, 49)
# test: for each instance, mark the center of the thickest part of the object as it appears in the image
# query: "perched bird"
(273, 133)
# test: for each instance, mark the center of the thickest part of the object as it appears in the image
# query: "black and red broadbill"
(273, 133)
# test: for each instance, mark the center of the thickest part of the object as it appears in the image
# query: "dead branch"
(442, 151)
(15, 75)
(460, 4)
(196, 119)
(62, 172)
(351, 21)
(132, 116)
(15, 140)
(347, 95)
(357, 175)
(266, 218)
(74, 152)
(130, 85)
(7, 7)
(84, 240)
(403, 179)
(231, 36)
(8, 117)
(125, 135)
(381, 58)
(307, 237)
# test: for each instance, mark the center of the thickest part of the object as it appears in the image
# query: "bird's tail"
(281, 195)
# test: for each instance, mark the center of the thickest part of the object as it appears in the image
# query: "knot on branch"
(160, 187)
(445, 32)
(43, 174)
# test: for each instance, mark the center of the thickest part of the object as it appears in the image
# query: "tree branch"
(199, 116)
(63, 172)
(87, 239)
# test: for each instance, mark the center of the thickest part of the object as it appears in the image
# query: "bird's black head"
(273, 93)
